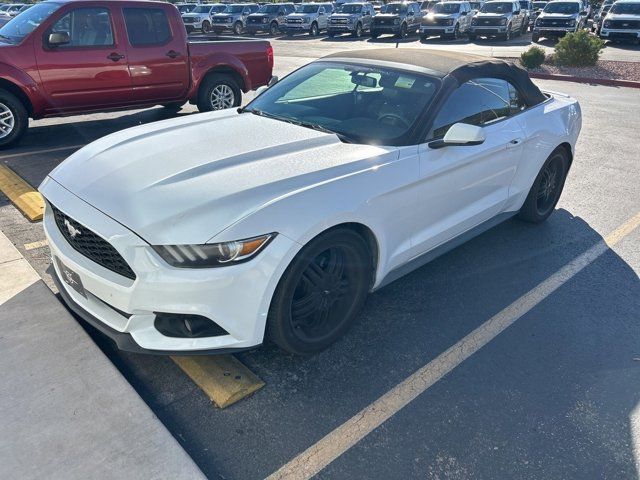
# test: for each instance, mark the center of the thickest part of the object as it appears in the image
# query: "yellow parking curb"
(21, 194)
(222, 377)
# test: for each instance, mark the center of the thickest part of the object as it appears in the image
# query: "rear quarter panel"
(548, 125)
(248, 58)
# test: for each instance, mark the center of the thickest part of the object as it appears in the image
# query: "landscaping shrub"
(579, 49)
(532, 58)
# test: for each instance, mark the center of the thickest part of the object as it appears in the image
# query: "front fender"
(27, 85)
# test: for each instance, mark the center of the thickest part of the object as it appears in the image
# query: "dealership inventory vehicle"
(234, 18)
(269, 18)
(185, 7)
(447, 20)
(311, 18)
(78, 56)
(188, 235)
(537, 8)
(498, 18)
(397, 18)
(200, 17)
(558, 18)
(354, 18)
(622, 22)
(598, 18)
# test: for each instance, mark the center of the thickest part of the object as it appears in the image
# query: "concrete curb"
(597, 81)
(67, 412)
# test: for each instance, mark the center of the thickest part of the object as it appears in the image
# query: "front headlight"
(265, 19)
(305, 20)
(572, 23)
(229, 20)
(396, 21)
(212, 254)
(607, 24)
(503, 21)
(474, 21)
(450, 22)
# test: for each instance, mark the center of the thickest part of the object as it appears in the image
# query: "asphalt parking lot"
(556, 395)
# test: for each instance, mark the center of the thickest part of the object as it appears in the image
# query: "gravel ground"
(604, 69)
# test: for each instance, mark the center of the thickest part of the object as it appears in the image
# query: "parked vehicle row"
(622, 22)
(66, 57)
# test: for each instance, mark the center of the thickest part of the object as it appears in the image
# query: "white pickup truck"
(622, 23)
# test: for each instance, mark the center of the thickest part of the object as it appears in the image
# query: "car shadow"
(386, 39)
(562, 375)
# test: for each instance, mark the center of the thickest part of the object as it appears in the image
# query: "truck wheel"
(206, 27)
(472, 37)
(237, 28)
(314, 30)
(403, 31)
(358, 32)
(535, 38)
(374, 35)
(273, 28)
(14, 119)
(217, 92)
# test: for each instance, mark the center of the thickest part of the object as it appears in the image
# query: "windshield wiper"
(9, 39)
(293, 121)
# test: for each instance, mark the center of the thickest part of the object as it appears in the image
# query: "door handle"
(514, 142)
(115, 56)
(172, 54)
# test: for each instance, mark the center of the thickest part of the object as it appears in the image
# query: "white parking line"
(318, 456)
(38, 152)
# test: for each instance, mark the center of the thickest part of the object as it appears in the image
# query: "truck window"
(87, 27)
(147, 26)
(16, 30)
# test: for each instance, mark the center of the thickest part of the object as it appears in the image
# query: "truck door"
(158, 55)
(85, 67)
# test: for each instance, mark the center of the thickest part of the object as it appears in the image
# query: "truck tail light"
(270, 55)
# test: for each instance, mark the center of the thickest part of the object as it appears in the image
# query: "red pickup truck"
(66, 57)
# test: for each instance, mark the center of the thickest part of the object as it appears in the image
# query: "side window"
(87, 27)
(471, 103)
(147, 26)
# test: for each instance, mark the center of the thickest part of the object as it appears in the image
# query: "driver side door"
(461, 187)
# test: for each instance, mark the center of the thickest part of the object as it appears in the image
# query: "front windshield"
(396, 8)
(269, 9)
(350, 8)
(185, 8)
(201, 9)
(497, 7)
(26, 22)
(626, 8)
(524, 5)
(359, 103)
(567, 8)
(539, 5)
(235, 9)
(307, 8)
(219, 9)
(446, 8)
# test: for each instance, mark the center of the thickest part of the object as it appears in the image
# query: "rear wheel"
(14, 119)
(321, 293)
(546, 189)
(219, 91)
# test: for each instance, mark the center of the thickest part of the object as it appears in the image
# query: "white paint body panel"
(183, 181)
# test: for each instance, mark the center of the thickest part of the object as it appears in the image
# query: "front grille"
(294, 20)
(622, 24)
(220, 20)
(549, 22)
(442, 21)
(255, 19)
(91, 245)
(339, 21)
(383, 21)
(493, 22)
(189, 20)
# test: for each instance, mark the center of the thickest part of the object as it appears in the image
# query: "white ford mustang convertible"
(204, 234)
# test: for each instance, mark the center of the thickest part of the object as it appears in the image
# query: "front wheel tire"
(321, 293)
(14, 119)
(546, 189)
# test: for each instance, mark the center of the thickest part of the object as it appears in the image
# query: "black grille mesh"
(621, 24)
(92, 246)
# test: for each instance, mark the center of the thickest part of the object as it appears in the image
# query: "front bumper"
(437, 29)
(553, 31)
(341, 28)
(221, 27)
(618, 34)
(497, 30)
(295, 27)
(258, 27)
(382, 29)
(236, 297)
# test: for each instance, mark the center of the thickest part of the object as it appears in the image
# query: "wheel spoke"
(313, 275)
(335, 263)
(302, 308)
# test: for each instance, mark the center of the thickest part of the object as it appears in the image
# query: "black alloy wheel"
(321, 293)
(273, 29)
(546, 189)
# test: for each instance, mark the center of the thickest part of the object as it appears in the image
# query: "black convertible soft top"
(451, 65)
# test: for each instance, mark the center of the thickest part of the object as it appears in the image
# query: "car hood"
(300, 15)
(225, 15)
(182, 181)
(344, 15)
(194, 15)
(442, 15)
(558, 16)
(492, 15)
(617, 16)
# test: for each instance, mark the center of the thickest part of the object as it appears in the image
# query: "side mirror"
(58, 38)
(584, 12)
(272, 81)
(261, 90)
(411, 14)
(463, 13)
(460, 134)
(517, 12)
